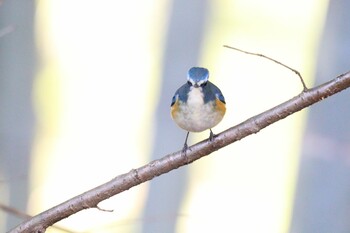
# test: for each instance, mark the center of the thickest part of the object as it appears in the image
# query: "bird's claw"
(211, 136)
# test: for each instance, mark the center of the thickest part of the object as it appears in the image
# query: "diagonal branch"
(91, 198)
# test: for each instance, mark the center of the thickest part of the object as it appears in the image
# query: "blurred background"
(85, 91)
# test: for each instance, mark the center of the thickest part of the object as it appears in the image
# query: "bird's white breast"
(195, 115)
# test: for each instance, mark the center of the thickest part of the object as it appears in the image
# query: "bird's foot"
(184, 153)
(184, 149)
(185, 144)
(211, 136)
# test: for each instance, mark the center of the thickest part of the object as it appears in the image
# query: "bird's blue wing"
(220, 97)
(181, 94)
(174, 98)
(215, 92)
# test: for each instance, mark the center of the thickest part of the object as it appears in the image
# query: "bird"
(198, 105)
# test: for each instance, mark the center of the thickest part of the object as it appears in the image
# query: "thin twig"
(6, 30)
(14, 211)
(104, 210)
(22, 215)
(271, 59)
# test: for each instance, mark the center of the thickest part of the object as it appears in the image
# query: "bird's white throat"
(195, 97)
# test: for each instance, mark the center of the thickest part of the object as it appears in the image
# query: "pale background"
(85, 89)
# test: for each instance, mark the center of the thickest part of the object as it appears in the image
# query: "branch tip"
(104, 210)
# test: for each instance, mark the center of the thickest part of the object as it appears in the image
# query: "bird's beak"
(196, 85)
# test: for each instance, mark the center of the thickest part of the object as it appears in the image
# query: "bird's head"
(197, 76)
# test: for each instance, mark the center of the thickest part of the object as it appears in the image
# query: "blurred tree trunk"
(322, 202)
(182, 50)
(17, 69)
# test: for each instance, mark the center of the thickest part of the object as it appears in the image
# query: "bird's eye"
(189, 83)
(204, 84)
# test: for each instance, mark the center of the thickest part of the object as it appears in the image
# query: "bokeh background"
(85, 89)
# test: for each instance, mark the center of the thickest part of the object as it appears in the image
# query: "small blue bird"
(198, 105)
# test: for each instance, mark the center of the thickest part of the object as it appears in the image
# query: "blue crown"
(198, 76)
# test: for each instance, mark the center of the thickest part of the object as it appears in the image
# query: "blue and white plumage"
(198, 105)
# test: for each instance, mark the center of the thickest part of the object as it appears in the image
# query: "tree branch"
(91, 198)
